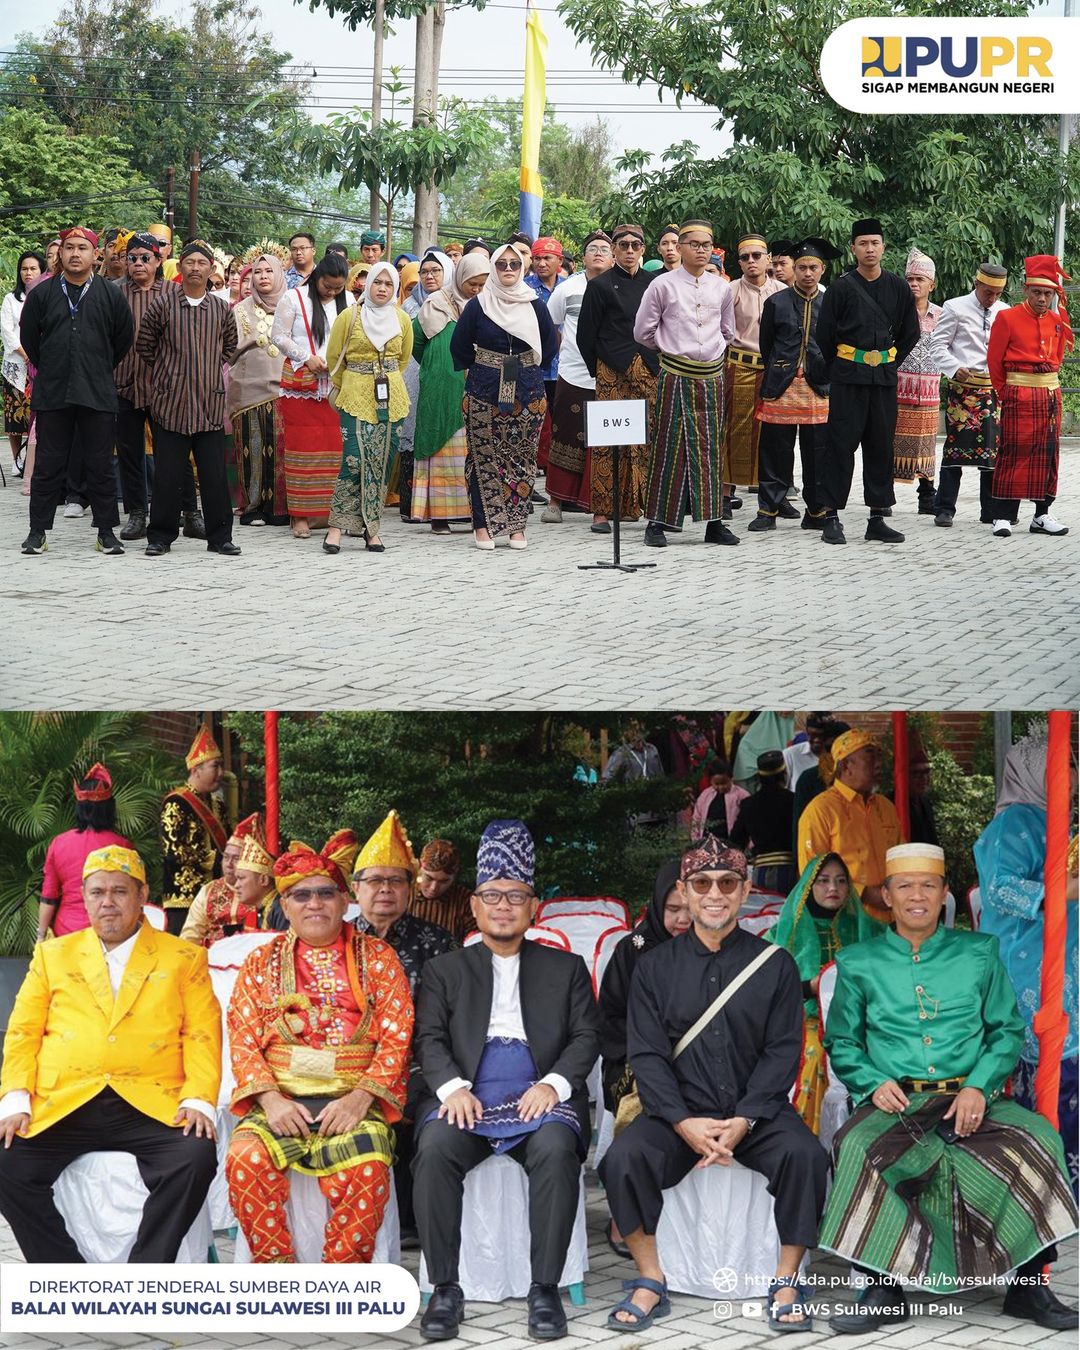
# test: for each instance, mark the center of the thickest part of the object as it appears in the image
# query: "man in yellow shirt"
(114, 1044)
(853, 820)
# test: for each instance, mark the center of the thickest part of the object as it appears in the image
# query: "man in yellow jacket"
(114, 1043)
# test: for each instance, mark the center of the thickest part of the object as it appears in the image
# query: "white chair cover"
(495, 1235)
(834, 1105)
(101, 1196)
(584, 931)
(155, 916)
(605, 1133)
(587, 904)
(307, 1212)
(550, 937)
(975, 905)
(605, 949)
(758, 923)
(950, 910)
(718, 1220)
(226, 956)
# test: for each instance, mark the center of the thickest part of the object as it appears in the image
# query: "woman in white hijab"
(369, 347)
(503, 339)
(439, 493)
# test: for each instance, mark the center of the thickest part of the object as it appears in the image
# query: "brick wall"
(174, 731)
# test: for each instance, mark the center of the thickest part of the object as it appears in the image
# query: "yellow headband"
(754, 239)
(115, 859)
(998, 283)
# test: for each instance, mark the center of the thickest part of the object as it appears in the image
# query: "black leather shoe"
(786, 511)
(716, 532)
(877, 1306)
(227, 550)
(761, 523)
(735, 503)
(547, 1320)
(156, 550)
(833, 531)
(135, 527)
(944, 518)
(444, 1313)
(1039, 1304)
(330, 548)
(810, 522)
(601, 527)
(194, 525)
(876, 529)
(655, 536)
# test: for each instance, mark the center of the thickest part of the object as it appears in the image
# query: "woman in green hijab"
(822, 914)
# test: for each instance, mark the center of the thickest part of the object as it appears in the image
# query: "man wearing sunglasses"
(134, 380)
(506, 1036)
(714, 1084)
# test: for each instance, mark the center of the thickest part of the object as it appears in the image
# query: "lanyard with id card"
(382, 397)
(508, 374)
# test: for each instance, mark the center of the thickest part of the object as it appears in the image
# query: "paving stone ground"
(693, 1322)
(950, 619)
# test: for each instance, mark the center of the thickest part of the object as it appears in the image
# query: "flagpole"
(534, 96)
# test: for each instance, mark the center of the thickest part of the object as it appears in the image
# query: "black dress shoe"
(876, 529)
(786, 511)
(944, 518)
(156, 550)
(1039, 1304)
(601, 527)
(444, 1313)
(655, 536)
(810, 522)
(761, 523)
(330, 548)
(716, 532)
(547, 1320)
(735, 503)
(194, 525)
(876, 1306)
(833, 531)
(926, 507)
(135, 527)
(538, 498)
(227, 550)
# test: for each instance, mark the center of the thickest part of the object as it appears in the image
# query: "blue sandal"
(642, 1320)
(797, 1307)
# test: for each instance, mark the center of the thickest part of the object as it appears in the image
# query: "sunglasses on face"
(751, 257)
(701, 884)
(139, 258)
(634, 244)
(505, 265)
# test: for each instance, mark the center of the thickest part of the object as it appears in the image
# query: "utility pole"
(193, 194)
(170, 197)
(376, 96)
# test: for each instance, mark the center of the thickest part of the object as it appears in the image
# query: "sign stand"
(602, 420)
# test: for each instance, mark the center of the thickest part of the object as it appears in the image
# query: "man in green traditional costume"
(939, 1180)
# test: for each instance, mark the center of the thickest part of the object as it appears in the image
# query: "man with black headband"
(688, 318)
(867, 326)
(731, 1006)
(134, 378)
(782, 253)
(667, 247)
(622, 367)
(187, 341)
(794, 390)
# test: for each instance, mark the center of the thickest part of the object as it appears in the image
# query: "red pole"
(901, 792)
(273, 802)
(1050, 1023)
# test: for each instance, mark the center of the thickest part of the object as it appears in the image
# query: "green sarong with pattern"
(323, 1155)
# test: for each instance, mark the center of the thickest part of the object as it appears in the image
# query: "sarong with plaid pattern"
(688, 442)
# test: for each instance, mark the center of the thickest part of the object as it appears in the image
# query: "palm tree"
(40, 754)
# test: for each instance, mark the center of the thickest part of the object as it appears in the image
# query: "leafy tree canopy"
(961, 188)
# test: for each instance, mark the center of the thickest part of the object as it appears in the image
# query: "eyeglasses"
(602, 249)
(516, 898)
(912, 1129)
(701, 884)
(385, 883)
(431, 272)
(505, 265)
(701, 245)
(751, 257)
(322, 893)
(634, 244)
(139, 258)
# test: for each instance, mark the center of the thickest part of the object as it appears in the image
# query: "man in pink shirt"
(61, 907)
(687, 316)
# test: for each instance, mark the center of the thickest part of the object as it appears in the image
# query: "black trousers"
(776, 464)
(948, 490)
(859, 414)
(176, 1169)
(444, 1154)
(175, 918)
(59, 431)
(648, 1157)
(135, 465)
(172, 451)
(404, 1152)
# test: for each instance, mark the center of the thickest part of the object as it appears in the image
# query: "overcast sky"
(483, 53)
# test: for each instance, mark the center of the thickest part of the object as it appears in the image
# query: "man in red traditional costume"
(218, 910)
(193, 831)
(320, 1032)
(1027, 346)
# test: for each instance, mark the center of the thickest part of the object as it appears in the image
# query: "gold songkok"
(255, 858)
(389, 846)
(115, 859)
(915, 858)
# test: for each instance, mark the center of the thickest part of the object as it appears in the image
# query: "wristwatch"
(750, 1124)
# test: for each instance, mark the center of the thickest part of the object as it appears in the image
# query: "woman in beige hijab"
(254, 386)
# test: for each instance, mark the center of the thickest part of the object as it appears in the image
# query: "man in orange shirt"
(1027, 346)
(853, 820)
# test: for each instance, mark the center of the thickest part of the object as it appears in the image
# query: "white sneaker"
(552, 514)
(1047, 525)
(1002, 528)
(73, 511)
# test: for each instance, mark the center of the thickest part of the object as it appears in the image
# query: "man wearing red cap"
(74, 328)
(1027, 346)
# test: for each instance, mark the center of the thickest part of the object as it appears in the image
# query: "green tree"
(41, 754)
(962, 188)
(448, 775)
(213, 83)
(568, 219)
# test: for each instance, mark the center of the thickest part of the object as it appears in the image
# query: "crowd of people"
(399, 1019)
(285, 388)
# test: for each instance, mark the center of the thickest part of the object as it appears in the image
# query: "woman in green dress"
(369, 347)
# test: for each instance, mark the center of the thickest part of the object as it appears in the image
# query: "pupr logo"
(881, 57)
(909, 57)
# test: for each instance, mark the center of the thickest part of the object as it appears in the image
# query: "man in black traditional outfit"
(722, 1093)
(867, 326)
(74, 328)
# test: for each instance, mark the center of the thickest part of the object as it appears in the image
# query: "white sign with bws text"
(617, 421)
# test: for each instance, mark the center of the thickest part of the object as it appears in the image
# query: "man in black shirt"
(867, 326)
(720, 1094)
(75, 328)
